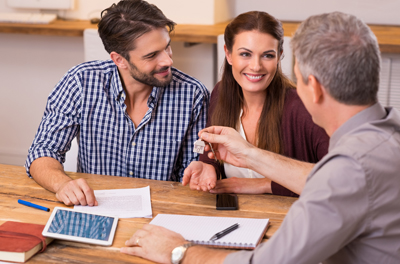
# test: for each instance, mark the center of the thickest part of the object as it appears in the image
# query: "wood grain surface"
(166, 197)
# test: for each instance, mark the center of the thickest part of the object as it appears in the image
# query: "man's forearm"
(203, 255)
(287, 172)
(49, 173)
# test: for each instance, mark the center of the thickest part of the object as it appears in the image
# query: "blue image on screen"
(81, 225)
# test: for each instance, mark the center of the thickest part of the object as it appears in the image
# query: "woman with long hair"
(261, 103)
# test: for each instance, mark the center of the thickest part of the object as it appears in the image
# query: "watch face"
(177, 254)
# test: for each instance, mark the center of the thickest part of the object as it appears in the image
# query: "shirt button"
(131, 173)
(133, 144)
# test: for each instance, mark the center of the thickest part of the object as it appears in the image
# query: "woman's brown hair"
(231, 101)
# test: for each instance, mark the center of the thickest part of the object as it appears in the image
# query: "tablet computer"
(68, 224)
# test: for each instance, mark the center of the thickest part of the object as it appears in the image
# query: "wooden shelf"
(388, 36)
(56, 28)
(185, 33)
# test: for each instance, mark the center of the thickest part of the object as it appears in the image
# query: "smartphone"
(227, 201)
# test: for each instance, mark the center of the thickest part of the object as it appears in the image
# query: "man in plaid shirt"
(134, 115)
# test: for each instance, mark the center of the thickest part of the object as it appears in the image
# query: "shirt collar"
(119, 93)
(372, 113)
(116, 85)
(154, 96)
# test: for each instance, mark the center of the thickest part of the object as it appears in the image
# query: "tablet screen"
(82, 225)
(79, 226)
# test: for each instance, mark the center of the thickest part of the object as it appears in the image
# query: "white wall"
(205, 12)
(370, 11)
(385, 12)
(30, 66)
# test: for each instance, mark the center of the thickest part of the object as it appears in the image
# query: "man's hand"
(154, 243)
(50, 174)
(230, 147)
(76, 192)
(243, 185)
(228, 144)
(200, 176)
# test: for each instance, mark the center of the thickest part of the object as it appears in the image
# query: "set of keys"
(199, 146)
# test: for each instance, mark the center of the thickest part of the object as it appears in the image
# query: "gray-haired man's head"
(342, 53)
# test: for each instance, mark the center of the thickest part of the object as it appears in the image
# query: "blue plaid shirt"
(88, 103)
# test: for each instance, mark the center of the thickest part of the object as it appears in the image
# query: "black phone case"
(227, 202)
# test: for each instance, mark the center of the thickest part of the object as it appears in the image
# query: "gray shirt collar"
(373, 112)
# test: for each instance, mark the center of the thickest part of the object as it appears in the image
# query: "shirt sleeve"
(278, 189)
(331, 212)
(59, 124)
(199, 120)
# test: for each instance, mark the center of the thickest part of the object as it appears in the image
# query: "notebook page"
(200, 229)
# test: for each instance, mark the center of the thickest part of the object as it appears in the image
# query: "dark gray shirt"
(349, 210)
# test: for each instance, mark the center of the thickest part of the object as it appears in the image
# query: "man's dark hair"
(124, 22)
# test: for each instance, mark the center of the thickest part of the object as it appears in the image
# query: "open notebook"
(199, 229)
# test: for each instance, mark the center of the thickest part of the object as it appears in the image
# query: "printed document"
(124, 203)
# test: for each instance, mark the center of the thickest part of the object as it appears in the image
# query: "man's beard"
(149, 79)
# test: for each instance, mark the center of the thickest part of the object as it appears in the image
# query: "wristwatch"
(179, 252)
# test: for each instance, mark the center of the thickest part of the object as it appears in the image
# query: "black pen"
(224, 232)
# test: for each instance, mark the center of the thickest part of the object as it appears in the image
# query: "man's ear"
(120, 61)
(317, 90)
(228, 55)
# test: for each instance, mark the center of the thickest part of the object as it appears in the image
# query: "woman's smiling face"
(254, 59)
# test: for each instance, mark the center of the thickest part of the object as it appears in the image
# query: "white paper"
(124, 203)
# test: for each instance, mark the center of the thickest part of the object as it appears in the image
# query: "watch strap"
(185, 247)
(188, 245)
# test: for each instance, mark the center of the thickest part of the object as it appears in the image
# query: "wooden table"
(166, 197)
(388, 36)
